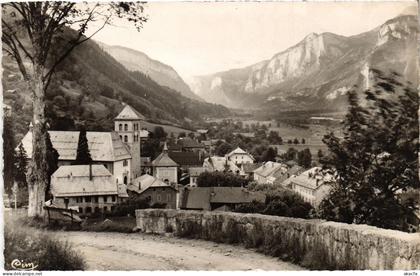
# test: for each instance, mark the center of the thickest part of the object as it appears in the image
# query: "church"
(118, 151)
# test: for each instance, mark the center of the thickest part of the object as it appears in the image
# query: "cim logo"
(21, 265)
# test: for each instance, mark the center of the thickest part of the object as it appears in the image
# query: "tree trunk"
(38, 168)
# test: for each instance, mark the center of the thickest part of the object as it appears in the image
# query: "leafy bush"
(220, 179)
(130, 206)
(40, 249)
(279, 202)
(377, 159)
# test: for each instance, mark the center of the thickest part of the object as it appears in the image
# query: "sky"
(199, 38)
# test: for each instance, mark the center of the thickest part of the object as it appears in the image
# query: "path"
(136, 251)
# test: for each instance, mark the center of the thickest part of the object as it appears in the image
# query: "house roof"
(146, 181)
(103, 146)
(268, 168)
(202, 197)
(129, 113)
(250, 167)
(312, 178)
(75, 181)
(218, 163)
(196, 198)
(144, 133)
(187, 142)
(238, 150)
(186, 158)
(163, 160)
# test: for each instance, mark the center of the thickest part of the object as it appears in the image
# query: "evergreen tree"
(269, 155)
(377, 160)
(305, 158)
(21, 163)
(83, 154)
(8, 153)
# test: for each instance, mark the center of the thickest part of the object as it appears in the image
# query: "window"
(125, 127)
(105, 199)
(168, 197)
(125, 163)
(158, 198)
(96, 199)
(136, 126)
(80, 210)
(112, 208)
(120, 127)
(125, 138)
(77, 200)
(88, 199)
(125, 180)
(88, 210)
(113, 198)
(121, 137)
(105, 209)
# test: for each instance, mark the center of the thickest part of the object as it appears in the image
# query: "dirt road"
(117, 251)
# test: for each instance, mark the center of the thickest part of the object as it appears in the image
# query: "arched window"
(125, 138)
(125, 180)
(125, 127)
(120, 127)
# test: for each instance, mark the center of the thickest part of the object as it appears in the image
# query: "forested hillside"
(90, 86)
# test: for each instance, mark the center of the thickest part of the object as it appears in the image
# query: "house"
(164, 168)
(89, 188)
(239, 156)
(247, 169)
(106, 148)
(265, 173)
(186, 159)
(154, 189)
(144, 134)
(312, 185)
(245, 134)
(194, 174)
(188, 144)
(281, 176)
(220, 164)
(217, 198)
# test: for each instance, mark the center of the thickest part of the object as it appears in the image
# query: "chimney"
(90, 172)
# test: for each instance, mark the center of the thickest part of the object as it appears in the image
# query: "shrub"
(39, 248)
(279, 202)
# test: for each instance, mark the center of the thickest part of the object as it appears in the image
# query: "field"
(168, 128)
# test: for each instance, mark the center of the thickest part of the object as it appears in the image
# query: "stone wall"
(315, 244)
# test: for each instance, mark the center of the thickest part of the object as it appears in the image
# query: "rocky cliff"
(318, 71)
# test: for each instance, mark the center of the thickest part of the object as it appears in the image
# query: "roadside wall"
(315, 244)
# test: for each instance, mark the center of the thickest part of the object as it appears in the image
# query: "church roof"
(129, 113)
(163, 160)
(103, 146)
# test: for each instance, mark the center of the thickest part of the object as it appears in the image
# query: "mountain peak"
(311, 36)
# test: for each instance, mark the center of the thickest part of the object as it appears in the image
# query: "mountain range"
(317, 71)
(90, 87)
(161, 73)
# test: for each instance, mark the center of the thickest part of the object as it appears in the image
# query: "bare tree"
(31, 33)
